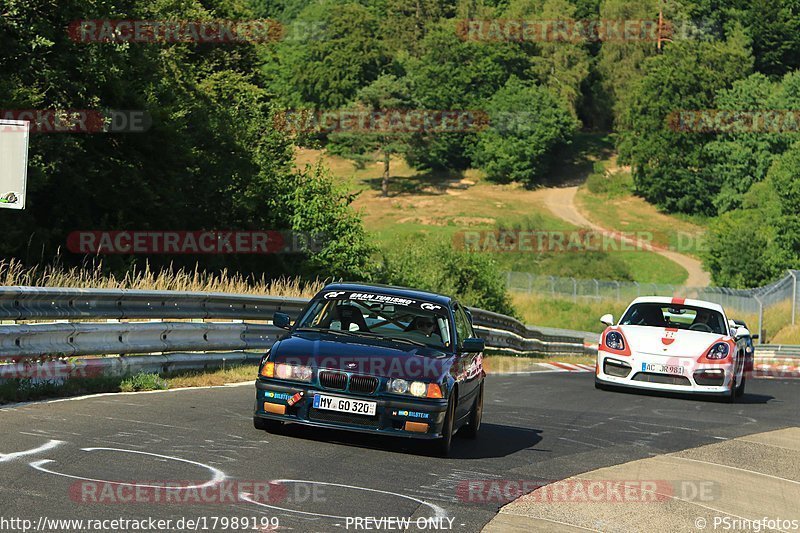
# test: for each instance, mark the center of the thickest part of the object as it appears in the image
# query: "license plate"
(662, 369)
(344, 405)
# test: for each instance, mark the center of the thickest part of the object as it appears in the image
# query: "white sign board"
(13, 163)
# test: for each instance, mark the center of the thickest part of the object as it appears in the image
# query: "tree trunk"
(385, 182)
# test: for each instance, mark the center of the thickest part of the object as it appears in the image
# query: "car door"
(469, 365)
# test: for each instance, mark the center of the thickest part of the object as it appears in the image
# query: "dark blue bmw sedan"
(375, 359)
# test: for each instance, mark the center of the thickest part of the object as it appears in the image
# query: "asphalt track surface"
(538, 427)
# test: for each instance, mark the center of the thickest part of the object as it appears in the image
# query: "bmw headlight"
(293, 372)
(399, 386)
(418, 388)
(614, 340)
(718, 351)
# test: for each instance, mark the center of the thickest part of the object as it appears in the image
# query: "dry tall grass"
(14, 273)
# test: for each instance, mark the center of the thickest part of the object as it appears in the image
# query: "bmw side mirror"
(607, 319)
(281, 320)
(473, 345)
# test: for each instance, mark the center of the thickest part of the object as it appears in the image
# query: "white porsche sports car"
(673, 344)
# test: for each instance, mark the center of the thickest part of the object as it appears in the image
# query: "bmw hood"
(360, 355)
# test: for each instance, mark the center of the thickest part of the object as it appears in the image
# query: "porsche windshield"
(675, 316)
(413, 323)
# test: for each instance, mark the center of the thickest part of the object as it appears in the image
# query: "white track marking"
(4, 457)
(219, 475)
(733, 468)
(440, 513)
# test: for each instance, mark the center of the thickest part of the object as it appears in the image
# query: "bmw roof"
(400, 292)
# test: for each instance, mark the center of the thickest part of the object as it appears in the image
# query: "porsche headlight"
(718, 351)
(614, 340)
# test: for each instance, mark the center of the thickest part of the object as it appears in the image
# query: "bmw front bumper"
(391, 414)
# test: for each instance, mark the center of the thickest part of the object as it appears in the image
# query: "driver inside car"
(423, 324)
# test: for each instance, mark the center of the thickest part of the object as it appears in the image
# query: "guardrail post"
(574, 289)
(794, 294)
(760, 319)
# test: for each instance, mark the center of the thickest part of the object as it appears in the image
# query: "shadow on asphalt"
(748, 398)
(505, 440)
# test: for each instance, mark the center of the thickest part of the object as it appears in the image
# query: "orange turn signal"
(268, 370)
(275, 408)
(416, 427)
(434, 391)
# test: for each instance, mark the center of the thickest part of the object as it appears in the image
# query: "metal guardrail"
(44, 303)
(162, 339)
(779, 351)
(83, 337)
(74, 339)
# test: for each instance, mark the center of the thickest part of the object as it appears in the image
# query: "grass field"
(608, 200)
(441, 205)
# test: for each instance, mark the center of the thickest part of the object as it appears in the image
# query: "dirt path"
(561, 202)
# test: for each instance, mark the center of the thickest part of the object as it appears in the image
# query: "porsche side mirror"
(281, 320)
(742, 332)
(607, 319)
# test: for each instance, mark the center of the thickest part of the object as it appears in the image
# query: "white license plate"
(662, 369)
(344, 405)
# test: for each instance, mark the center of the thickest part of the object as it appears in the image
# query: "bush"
(434, 265)
(322, 211)
(143, 381)
(613, 185)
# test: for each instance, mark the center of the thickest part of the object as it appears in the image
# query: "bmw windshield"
(378, 315)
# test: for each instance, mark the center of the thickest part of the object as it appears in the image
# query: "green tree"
(669, 168)
(456, 75)
(528, 125)
(561, 66)
(388, 98)
(326, 68)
